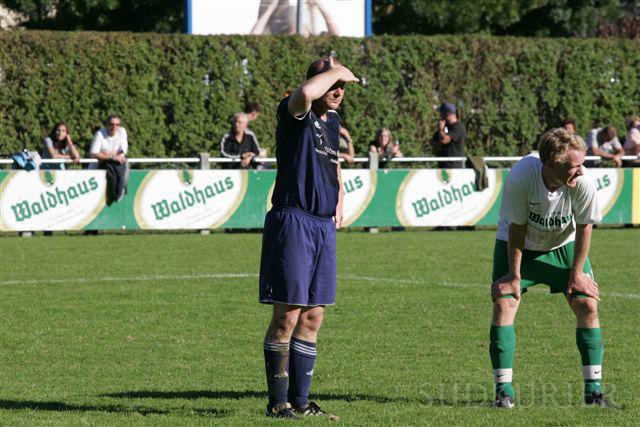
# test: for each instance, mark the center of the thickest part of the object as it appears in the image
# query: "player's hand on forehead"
(345, 74)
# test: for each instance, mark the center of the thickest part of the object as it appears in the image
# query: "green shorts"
(551, 267)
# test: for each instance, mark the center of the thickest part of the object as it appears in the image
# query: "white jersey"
(550, 217)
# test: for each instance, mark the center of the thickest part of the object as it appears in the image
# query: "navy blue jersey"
(307, 156)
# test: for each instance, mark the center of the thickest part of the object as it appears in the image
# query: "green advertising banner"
(210, 199)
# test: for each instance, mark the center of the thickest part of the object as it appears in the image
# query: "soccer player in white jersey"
(548, 209)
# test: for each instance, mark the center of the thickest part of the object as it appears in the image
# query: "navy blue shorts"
(298, 264)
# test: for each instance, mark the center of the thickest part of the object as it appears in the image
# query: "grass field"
(166, 330)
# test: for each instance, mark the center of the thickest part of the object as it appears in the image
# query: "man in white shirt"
(110, 146)
(549, 206)
(110, 143)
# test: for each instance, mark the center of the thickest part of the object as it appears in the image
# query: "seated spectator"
(384, 147)
(449, 139)
(632, 141)
(110, 145)
(58, 145)
(570, 126)
(604, 142)
(253, 110)
(240, 144)
(346, 150)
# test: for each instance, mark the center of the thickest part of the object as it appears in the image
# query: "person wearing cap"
(449, 139)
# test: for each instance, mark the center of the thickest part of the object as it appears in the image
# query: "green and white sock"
(589, 341)
(502, 348)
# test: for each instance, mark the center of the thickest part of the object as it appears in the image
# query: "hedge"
(176, 93)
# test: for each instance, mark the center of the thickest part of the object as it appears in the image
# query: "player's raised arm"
(318, 85)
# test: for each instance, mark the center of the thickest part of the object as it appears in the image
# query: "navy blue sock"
(302, 357)
(276, 358)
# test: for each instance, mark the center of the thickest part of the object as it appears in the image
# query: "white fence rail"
(270, 160)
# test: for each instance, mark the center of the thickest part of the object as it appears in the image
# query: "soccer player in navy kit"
(298, 265)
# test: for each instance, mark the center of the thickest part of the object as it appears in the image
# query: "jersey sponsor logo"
(555, 221)
(51, 200)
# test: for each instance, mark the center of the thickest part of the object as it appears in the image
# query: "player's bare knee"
(504, 311)
(282, 325)
(505, 305)
(311, 321)
(585, 307)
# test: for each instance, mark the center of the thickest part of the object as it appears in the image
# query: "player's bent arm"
(581, 248)
(509, 284)
(517, 233)
(578, 280)
(312, 89)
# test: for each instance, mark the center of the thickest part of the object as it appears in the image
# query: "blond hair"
(555, 143)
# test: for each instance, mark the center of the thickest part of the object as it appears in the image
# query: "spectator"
(110, 145)
(632, 141)
(346, 150)
(449, 139)
(240, 143)
(604, 142)
(58, 145)
(253, 110)
(570, 126)
(384, 147)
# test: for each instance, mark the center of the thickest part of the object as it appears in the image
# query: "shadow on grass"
(70, 407)
(250, 394)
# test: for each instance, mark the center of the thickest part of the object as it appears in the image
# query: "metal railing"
(205, 160)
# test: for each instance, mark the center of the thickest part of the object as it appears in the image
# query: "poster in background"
(263, 17)
(199, 199)
(440, 197)
(51, 200)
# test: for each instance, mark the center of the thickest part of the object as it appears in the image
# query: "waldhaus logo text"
(445, 197)
(554, 221)
(189, 198)
(53, 199)
(352, 185)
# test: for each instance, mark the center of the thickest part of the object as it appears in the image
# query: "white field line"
(356, 278)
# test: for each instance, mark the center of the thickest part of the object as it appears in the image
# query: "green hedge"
(175, 93)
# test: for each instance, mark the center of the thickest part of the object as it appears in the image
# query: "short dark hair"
(111, 117)
(319, 66)
(606, 134)
(569, 121)
(253, 106)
